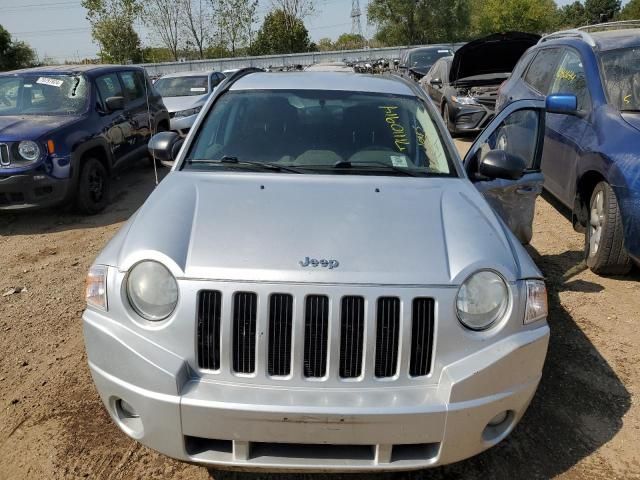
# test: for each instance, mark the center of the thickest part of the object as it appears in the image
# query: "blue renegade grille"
(309, 333)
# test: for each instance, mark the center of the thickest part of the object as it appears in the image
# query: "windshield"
(43, 95)
(621, 71)
(182, 86)
(322, 131)
(426, 58)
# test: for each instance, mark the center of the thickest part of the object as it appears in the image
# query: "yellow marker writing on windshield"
(399, 133)
(627, 99)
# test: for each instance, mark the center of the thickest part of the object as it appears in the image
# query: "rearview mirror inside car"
(165, 146)
(115, 103)
(563, 104)
(500, 164)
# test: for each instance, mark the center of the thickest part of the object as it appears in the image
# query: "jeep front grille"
(316, 328)
(5, 160)
(351, 336)
(280, 324)
(322, 337)
(244, 332)
(387, 331)
(209, 303)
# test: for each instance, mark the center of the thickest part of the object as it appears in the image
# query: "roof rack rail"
(574, 33)
(603, 27)
(583, 32)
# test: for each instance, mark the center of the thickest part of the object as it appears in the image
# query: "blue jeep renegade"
(65, 130)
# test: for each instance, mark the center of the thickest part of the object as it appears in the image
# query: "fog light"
(498, 419)
(125, 410)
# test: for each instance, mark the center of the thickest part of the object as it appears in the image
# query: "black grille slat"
(387, 333)
(421, 336)
(244, 332)
(351, 336)
(316, 327)
(280, 326)
(209, 307)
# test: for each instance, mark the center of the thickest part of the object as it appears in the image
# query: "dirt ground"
(584, 422)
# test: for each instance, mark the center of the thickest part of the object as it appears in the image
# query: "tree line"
(198, 29)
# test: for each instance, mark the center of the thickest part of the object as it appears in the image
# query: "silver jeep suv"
(321, 284)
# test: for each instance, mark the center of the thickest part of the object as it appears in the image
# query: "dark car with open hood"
(415, 63)
(465, 86)
(65, 130)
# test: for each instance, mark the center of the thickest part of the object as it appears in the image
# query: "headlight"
(29, 150)
(483, 299)
(537, 306)
(96, 287)
(152, 290)
(464, 100)
(187, 113)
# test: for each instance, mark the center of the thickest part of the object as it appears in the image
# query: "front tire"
(93, 187)
(604, 237)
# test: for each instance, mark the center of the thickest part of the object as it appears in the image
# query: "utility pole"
(356, 13)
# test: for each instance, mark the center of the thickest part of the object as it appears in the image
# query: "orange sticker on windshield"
(398, 131)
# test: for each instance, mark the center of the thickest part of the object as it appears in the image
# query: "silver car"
(321, 284)
(184, 95)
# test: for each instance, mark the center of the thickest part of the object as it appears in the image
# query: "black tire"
(604, 238)
(93, 187)
(447, 120)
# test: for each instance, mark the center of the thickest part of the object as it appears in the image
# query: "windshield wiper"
(375, 165)
(230, 160)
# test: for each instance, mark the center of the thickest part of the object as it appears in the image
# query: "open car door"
(518, 131)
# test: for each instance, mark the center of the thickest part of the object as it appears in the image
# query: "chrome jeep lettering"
(323, 262)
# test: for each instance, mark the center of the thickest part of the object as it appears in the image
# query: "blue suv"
(65, 130)
(591, 160)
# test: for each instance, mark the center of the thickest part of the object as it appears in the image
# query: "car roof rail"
(583, 33)
(607, 26)
(573, 33)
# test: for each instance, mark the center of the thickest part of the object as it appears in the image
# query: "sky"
(59, 29)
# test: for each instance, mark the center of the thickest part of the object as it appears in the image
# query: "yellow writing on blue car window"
(627, 99)
(399, 134)
(565, 74)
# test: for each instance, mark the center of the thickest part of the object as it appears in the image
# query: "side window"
(133, 86)
(540, 73)
(570, 78)
(221, 77)
(214, 80)
(522, 64)
(518, 136)
(109, 86)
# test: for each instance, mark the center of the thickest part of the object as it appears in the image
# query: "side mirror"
(564, 104)
(436, 82)
(165, 146)
(114, 103)
(500, 164)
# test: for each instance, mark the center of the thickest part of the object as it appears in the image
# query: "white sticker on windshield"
(27, 85)
(54, 82)
(198, 89)
(398, 161)
(443, 51)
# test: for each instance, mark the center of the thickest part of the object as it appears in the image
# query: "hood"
(31, 127)
(258, 227)
(420, 71)
(497, 53)
(176, 104)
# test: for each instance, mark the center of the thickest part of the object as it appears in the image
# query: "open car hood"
(497, 53)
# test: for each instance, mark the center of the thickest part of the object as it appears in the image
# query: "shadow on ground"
(578, 407)
(129, 190)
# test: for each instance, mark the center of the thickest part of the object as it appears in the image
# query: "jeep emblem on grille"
(314, 262)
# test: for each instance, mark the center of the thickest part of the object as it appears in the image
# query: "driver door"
(519, 131)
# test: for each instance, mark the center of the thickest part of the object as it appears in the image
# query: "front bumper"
(237, 425)
(470, 118)
(182, 125)
(32, 190)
